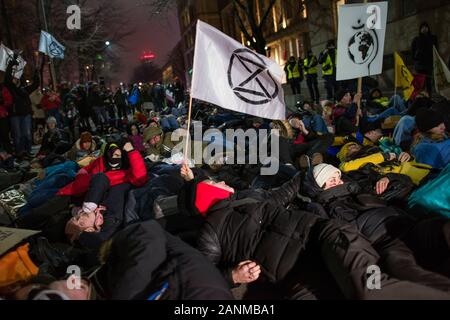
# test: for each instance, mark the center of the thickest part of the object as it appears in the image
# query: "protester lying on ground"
(250, 235)
(101, 214)
(365, 199)
(307, 142)
(143, 262)
(354, 156)
(158, 143)
(84, 147)
(432, 144)
(124, 165)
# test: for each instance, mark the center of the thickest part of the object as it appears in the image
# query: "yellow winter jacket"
(416, 171)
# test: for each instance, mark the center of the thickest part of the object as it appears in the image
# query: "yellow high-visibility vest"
(293, 74)
(328, 66)
(309, 70)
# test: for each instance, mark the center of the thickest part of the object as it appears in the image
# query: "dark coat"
(356, 203)
(255, 225)
(422, 51)
(21, 94)
(143, 257)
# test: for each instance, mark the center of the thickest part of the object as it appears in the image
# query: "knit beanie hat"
(52, 120)
(340, 94)
(208, 195)
(323, 172)
(427, 119)
(151, 132)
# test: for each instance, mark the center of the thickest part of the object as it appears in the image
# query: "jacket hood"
(92, 149)
(152, 132)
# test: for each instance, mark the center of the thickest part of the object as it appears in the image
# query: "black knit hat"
(340, 94)
(369, 126)
(427, 119)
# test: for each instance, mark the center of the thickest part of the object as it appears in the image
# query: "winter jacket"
(163, 147)
(6, 102)
(356, 203)
(255, 225)
(380, 161)
(21, 95)
(136, 175)
(422, 52)
(138, 142)
(76, 153)
(147, 263)
(435, 153)
(48, 105)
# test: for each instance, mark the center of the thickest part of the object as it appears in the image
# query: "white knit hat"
(323, 172)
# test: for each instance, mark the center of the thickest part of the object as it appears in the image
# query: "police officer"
(328, 61)
(294, 74)
(310, 66)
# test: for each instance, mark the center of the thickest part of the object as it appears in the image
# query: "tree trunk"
(9, 41)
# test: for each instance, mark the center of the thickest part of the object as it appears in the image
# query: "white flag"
(441, 75)
(6, 55)
(50, 46)
(233, 77)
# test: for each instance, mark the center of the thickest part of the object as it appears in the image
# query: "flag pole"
(52, 66)
(188, 135)
(359, 91)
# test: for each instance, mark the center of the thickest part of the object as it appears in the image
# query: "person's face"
(51, 125)
(295, 123)
(347, 99)
(440, 129)
(333, 181)
(424, 30)
(256, 125)
(134, 131)
(354, 148)
(375, 135)
(86, 145)
(16, 82)
(154, 141)
(83, 293)
(376, 94)
(221, 185)
(117, 154)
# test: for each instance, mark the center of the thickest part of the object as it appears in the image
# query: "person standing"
(21, 112)
(310, 66)
(51, 103)
(120, 98)
(422, 53)
(328, 61)
(293, 71)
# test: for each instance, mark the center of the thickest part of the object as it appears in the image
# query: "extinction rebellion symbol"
(55, 49)
(250, 79)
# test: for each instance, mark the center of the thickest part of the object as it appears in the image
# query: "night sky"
(158, 34)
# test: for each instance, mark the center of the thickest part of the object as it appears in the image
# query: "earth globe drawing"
(361, 47)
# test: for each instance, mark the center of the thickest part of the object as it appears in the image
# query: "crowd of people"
(363, 182)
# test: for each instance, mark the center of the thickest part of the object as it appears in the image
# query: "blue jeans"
(169, 123)
(316, 124)
(21, 130)
(404, 130)
(397, 106)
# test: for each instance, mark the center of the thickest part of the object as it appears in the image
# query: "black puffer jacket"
(356, 203)
(256, 225)
(143, 258)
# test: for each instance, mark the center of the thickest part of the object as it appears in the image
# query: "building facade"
(189, 11)
(294, 26)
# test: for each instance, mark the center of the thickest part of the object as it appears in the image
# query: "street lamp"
(107, 43)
